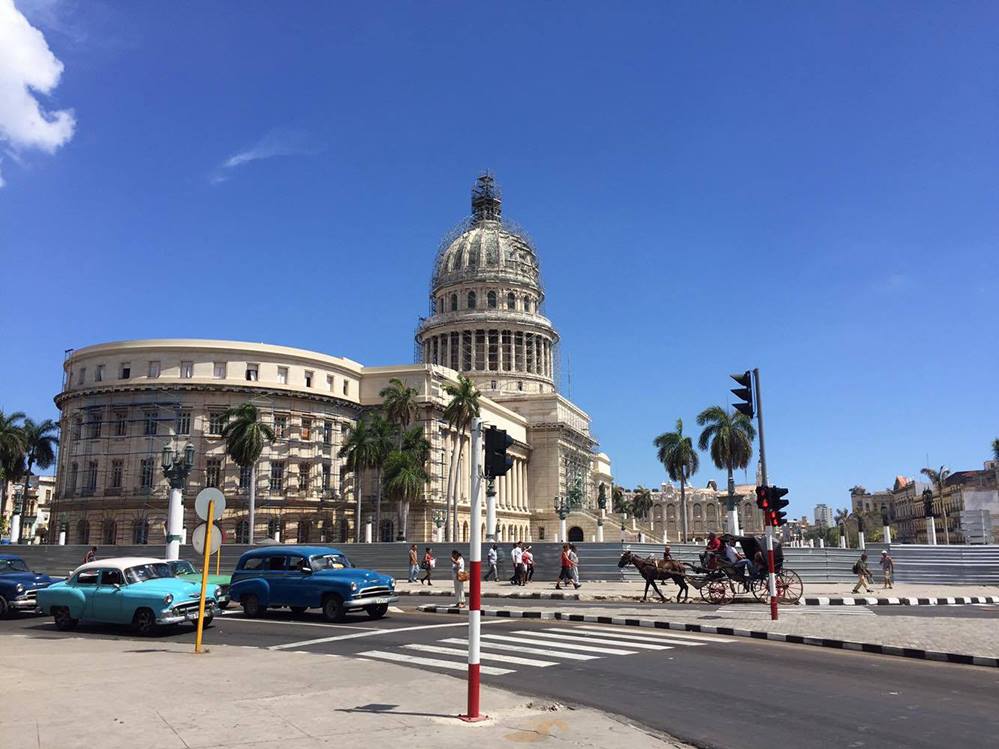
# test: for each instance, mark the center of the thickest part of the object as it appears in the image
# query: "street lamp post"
(439, 522)
(15, 519)
(176, 468)
(561, 507)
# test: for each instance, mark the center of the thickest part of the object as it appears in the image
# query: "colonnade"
(511, 489)
(491, 350)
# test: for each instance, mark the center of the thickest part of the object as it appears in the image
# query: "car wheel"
(377, 612)
(298, 610)
(63, 621)
(3, 607)
(251, 606)
(144, 622)
(208, 620)
(224, 604)
(333, 610)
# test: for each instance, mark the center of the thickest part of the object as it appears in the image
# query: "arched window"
(344, 530)
(274, 529)
(491, 300)
(109, 532)
(454, 302)
(464, 532)
(386, 531)
(304, 531)
(712, 517)
(527, 304)
(471, 300)
(83, 532)
(242, 532)
(698, 518)
(575, 534)
(511, 301)
(140, 531)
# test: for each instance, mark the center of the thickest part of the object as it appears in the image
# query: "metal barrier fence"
(946, 564)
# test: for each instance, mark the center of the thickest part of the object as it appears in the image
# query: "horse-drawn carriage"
(719, 581)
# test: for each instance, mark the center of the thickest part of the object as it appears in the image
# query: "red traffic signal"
(777, 505)
(762, 501)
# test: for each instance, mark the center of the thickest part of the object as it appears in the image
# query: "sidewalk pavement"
(965, 637)
(83, 692)
(632, 591)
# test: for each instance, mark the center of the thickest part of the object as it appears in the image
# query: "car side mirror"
(116, 586)
(306, 570)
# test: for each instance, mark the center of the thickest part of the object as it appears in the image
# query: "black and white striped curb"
(822, 642)
(871, 601)
(535, 595)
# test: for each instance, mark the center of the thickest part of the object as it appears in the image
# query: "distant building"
(706, 511)
(34, 507)
(823, 516)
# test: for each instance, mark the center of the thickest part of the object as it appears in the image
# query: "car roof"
(266, 551)
(118, 563)
(11, 556)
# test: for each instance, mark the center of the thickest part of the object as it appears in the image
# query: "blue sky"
(810, 190)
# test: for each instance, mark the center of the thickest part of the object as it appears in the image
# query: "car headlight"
(218, 591)
(391, 583)
(20, 588)
(168, 599)
(353, 587)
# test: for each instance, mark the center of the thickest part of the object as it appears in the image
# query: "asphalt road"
(711, 691)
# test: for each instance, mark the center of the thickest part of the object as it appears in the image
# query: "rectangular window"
(150, 423)
(213, 472)
(280, 426)
(216, 422)
(81, 375)
(120, 423)
(91, 484)
(277, 476)
(99, 373)
(283, 375)
(304, 475)
(252, 372)
(154, 369)
(346, 387)
(125, 372)
(327, 470)
(327, 432)
(245, 476)
(308, 379)
(184, 422)
(77, 427)
(187, 370)
(329, 383)
(94, 425)
(74, 471)
(219, 370)
(146, 473)
(117, 472)
(306, 429)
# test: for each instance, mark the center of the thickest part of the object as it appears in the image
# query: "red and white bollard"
(474, 578)
(771, 575)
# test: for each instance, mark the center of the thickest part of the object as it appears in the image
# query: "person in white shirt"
(492, 557)
(517, 555)
(458, 574)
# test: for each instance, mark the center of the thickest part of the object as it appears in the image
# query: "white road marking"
(668, 633)
(435, 662)
(230, 619)
(566, 645)
(524, 649)
(548, 634)
(482, 656)
(627, 637)
(368, 633)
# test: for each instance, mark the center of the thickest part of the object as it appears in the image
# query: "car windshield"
(183, 568)
(12, 565)
(329, 562)
(142, 572)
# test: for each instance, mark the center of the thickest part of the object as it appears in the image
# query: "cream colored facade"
(707, 508)
(121, 403)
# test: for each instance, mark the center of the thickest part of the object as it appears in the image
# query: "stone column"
(886, 531)
(861, 542)
(526, 496)
(931, 531)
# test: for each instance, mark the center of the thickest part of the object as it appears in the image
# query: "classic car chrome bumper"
(27, 601)
(360, 603)
(186, 612)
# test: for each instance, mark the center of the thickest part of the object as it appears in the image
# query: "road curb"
(537, 595)
(870, 601)
(864, 647)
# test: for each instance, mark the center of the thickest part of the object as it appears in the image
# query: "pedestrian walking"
(888, 568)
(517, 556)
(492, 557)
(459, 576)
(863, 575)
(565, 568)
(428, 566)
(574, 559)
(414, 564)
(90, 556)
(528, 558)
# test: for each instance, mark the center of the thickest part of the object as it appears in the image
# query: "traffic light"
(497, 461)
(761, 498)
(777, 505)
(744, 393)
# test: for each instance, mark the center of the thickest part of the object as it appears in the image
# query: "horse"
(657, 569)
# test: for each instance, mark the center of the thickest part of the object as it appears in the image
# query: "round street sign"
(204, 497)
(198, 538)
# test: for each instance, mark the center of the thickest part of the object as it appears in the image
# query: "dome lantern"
(487, 205)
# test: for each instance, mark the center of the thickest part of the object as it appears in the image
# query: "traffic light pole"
(771, 564)
(474, 576)
(490, 510)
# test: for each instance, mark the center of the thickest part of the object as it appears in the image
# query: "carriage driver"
(712, 548)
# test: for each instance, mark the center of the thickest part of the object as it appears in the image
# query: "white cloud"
(274, 143)
(28, 69)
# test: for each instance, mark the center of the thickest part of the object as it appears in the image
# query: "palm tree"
(459, 412)
(406, 474)
(382, 440)
(840, 519)
(357, 453)
(731, 443)
(11, 450)
(245, 435)
(641, 503)
(995, 449)
(938, 478)
(618, 502)
(399, 404)
(676, 453)
(40, 440)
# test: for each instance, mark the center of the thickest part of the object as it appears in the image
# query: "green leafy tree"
(840, 518)
(245, 436)
(11, 450)
(938, 477)
(729, 439)
(40, 442)
(459, 412)
(677, 454)
(995, 449)
(357, 452)
(618, 501)
(399, 405)
(406, 473)
(641, 502)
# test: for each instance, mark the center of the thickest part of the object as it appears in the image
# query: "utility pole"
(474, 576)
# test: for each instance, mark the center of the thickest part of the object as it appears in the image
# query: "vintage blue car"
(127, 590)
(19, 585)
(309, 577)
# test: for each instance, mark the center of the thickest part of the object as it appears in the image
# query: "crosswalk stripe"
(482, 656)
(600, 641)
(525, 649)
(629, 638)
(668, 633)
(435, 662)
(566, 645)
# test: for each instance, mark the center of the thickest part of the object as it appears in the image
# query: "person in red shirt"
(565, 573)
(712, 549)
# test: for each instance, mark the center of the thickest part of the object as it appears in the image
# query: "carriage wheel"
(760, 591)
(718, 592)
(789, 586)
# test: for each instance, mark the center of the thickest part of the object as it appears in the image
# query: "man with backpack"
(863, 575)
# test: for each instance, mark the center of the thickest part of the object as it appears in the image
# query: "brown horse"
(657, 569)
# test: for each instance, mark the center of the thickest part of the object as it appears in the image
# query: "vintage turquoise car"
(127, 590)
(186, 571)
